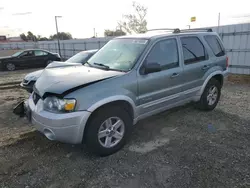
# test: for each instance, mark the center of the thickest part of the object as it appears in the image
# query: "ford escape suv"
(130, 78)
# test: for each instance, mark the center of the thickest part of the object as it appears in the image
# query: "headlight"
(30, 78)
(54, 104)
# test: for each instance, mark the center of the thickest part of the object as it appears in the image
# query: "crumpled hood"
(62, 64)
(61, 79)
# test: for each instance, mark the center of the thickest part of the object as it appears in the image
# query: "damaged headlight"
(54, 104)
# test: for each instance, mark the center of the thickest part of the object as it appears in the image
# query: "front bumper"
(225, 73)
(67, 127)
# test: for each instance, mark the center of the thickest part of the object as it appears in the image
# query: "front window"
(164, 53)
(119, 54)
(27, 54)
(79, 58)
(17, 53)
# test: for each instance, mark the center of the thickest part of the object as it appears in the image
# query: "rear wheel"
(210, 96)
(108, 130)
(10, 67)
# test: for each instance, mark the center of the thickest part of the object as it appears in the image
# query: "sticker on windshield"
(140, 41)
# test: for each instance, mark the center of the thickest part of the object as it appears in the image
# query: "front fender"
(113, 99)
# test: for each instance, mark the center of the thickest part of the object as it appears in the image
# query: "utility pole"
(94, 32)
(58, 42)
(219, 23)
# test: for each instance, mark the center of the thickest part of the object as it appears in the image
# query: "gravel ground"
(180, 148)
(18, 75)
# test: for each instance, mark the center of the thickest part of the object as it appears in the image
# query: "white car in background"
(76, 60)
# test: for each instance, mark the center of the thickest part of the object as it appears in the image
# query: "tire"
(10, 67)
(206, 103)
(97, 125)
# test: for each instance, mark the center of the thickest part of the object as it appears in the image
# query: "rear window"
(215, 45)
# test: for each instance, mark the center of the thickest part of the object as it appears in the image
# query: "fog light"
(49, 134)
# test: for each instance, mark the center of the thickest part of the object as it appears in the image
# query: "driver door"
(158, 90)
(26, 59)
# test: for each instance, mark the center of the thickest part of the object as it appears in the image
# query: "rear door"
(196, 63)
(41, 58)
(159, 89)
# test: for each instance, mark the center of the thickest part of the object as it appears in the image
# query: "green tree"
(31, 36)
(62, 36)
(43, 39)
(117, 32)
(23, 37)
(135, 23)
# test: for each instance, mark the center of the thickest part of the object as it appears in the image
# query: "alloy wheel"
(111, 132)
(10, 66)
(212, 95)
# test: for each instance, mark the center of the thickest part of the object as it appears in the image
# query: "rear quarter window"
(215, 45)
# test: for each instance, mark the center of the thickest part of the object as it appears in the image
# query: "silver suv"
(130, 78)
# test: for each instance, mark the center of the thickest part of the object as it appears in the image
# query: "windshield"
(119, 54)
(17, 53)
(81, 57)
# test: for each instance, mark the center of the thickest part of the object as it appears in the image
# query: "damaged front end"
(22, 110)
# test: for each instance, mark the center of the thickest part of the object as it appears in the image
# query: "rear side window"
(215, 45)
(40, 53)
(193, 50)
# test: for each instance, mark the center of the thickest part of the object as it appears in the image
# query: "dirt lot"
(180, 148)
(7, 52)
(6, 76)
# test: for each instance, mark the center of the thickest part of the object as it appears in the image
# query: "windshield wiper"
(102, 65)
(88, 64)
(107, 67)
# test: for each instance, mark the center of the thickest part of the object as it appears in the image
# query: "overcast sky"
(79, 17)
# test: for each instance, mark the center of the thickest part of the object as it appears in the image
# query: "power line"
(21, 13)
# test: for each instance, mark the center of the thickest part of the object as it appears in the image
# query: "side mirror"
(152, 67)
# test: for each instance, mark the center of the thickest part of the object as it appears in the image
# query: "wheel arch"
(218, 75)
(122, 101)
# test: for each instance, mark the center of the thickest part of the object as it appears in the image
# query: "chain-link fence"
(68, 48)
(236, 39)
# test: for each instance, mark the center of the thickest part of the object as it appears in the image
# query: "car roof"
(35, 50)
(155, 35)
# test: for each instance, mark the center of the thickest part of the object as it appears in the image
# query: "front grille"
(35, 97)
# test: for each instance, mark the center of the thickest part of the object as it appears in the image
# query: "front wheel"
(210, 96)
(108, 130)
(10, 67)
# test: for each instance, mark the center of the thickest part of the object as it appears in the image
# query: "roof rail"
(191, 30)
(177, 30)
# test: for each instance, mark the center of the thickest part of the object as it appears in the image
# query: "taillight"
(227, 64)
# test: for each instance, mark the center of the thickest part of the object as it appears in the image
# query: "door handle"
(175, 75)
(205, 67)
